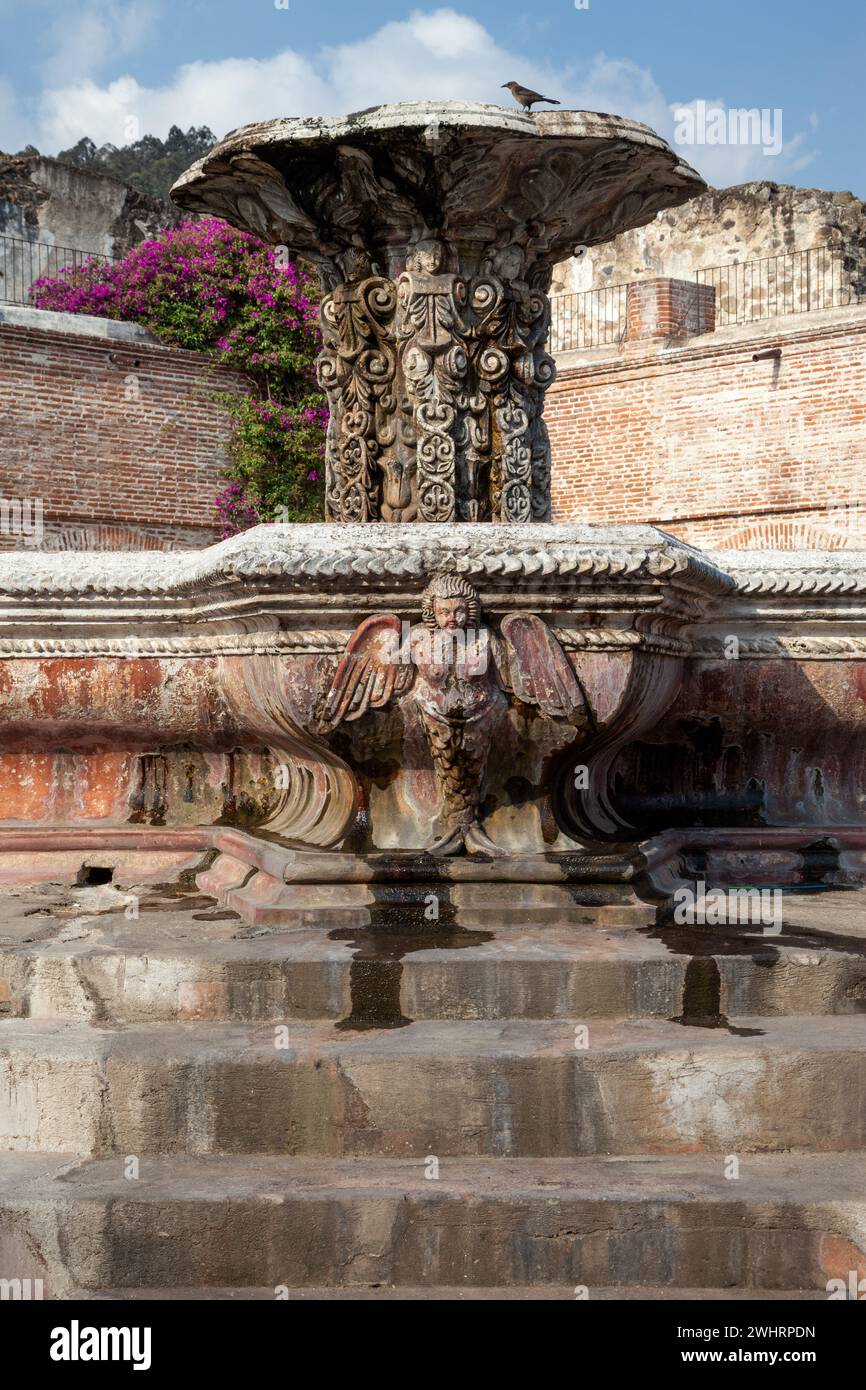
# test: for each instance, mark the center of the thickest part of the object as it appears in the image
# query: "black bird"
(527, 97)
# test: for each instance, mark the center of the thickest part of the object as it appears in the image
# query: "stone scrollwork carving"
(513, 324)
(458, 675)
(317, 795)
(357, 369)
(434, 366)
(436, 387)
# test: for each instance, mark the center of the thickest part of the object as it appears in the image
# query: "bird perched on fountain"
(526, 97)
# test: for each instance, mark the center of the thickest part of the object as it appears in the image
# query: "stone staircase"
(194, 1107)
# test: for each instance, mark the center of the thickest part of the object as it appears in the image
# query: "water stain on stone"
(399, 924)
(731, 941)
(149, 797)
(702, 999)
(181, 902)
(702, 986)
(181, 894)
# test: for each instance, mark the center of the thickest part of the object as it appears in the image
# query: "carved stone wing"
(372, 670)
(538, 671)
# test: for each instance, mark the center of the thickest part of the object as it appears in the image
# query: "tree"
(151, 165)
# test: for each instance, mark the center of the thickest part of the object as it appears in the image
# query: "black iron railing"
(22, 262)
(795, 282)
(588, 319)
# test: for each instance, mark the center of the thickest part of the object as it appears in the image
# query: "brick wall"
(119, 436)
(669, 309)
(692, 434)
(121, 439)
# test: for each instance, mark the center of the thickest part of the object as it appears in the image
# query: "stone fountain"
(435, 228)
(415, 757)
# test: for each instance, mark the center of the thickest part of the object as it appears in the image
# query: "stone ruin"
(425, 786)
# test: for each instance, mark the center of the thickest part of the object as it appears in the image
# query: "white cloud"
(221, 95)
(80, 43)
(15, 129)
(438, 53)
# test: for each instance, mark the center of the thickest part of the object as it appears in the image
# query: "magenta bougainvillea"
(216, 290)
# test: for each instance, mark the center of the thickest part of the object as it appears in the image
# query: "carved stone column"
(436, 392)
(357, 369)
(431, 327)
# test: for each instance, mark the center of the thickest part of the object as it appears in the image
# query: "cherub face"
(451, 613)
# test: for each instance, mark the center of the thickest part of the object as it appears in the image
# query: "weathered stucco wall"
(51, 202)
(727, 225)
(766, 728)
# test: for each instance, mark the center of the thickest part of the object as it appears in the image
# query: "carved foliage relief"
(436, 386)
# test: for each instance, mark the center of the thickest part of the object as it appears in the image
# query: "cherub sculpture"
(458, 674)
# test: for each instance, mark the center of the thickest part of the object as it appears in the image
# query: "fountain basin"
(153, 713)
(473, 174)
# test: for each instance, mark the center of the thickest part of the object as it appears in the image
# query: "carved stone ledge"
(300, 589)
(802, 605)
(794, 572)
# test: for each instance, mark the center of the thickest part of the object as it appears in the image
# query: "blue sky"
(113, 69)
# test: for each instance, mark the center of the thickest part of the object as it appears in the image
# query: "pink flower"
(208, 287)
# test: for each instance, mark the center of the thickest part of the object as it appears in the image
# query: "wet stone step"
(201, 963)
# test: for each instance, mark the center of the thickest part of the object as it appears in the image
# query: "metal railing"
(796, 282)
(22, 262)
(588, 319)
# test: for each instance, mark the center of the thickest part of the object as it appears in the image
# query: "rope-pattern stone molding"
(321, 642)
(255, 592)
(808, 648)
(794, 572)
(341, 556)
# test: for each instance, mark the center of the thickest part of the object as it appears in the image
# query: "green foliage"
(213, 289)
(151, 165)
(276, 461)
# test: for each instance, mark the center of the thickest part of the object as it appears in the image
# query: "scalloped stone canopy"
(469, 173)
